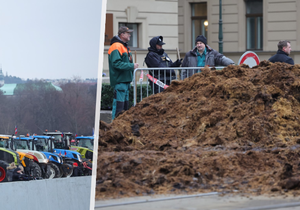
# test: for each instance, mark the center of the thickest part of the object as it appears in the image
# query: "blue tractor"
(45, 144)
(62, 146)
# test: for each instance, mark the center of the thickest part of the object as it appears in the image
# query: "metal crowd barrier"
(145, 76)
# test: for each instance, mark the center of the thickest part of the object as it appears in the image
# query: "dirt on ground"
(230, 130)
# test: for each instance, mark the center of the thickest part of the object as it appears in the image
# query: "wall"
(280, 18)
(172, 19)
(64, 193)
(282, 22)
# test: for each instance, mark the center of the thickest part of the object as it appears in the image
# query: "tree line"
(37, 106)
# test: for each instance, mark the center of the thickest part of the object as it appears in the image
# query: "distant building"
(9, 89)
(1, 78)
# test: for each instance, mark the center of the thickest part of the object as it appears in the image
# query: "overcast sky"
(50, 39)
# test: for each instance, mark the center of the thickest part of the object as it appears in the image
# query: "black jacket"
(281, 56)
(159, 59)
(77, 171)
(19, 177)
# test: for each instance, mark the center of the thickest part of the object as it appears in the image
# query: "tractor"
(85, 146)
(45, 145)
(3, 171)
(42, 164)
(62, 146)
(61, 140)
(8, 156)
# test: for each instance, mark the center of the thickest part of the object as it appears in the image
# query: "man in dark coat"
(202, 55)
(283, 52)
(18, 175)
(157, 58)
(77, 171)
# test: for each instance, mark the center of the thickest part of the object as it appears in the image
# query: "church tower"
(1, 77)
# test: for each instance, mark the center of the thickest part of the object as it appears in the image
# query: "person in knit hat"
(77, 171)
(202, 55)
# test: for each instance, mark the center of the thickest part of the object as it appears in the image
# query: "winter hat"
(75, 164)
(202, 39)
(160, 41)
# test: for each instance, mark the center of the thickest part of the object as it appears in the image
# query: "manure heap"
(224, 131)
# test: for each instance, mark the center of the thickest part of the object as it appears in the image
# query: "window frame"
(200, 18)
(256, 16)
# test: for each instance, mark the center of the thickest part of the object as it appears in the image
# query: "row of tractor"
(51, 155)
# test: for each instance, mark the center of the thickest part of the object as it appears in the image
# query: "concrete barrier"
(105, 116)
(64, 193)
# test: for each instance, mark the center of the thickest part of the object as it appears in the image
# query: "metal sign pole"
(220, 29)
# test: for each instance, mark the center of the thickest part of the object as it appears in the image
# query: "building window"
(134, 35)
(254, 24)
(199, 21)
(109, 34)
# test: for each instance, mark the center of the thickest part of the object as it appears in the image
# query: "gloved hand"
(177, 63)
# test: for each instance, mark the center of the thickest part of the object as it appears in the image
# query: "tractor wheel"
(68, 170)
(50, 174)
(3, 166)
(36, 170)
(56, 170)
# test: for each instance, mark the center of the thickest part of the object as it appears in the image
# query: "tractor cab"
(6, 141)
(85, 141)
(22, 143)
(43, 143)
(3, 140)
(61, 140)
(85, 146)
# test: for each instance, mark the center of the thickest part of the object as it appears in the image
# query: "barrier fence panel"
(155, 80)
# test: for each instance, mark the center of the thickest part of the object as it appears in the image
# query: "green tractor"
(8, 156)
(3, 171)
(85, 146)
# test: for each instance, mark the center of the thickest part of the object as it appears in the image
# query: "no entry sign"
(250, 58)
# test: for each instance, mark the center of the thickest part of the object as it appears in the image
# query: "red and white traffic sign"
(250, 58)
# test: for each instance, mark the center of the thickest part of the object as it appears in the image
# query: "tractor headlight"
(58, 159)
(79, 158)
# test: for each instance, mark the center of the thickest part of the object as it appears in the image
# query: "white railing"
(146, 74)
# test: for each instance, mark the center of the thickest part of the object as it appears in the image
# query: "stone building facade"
(247, 25)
